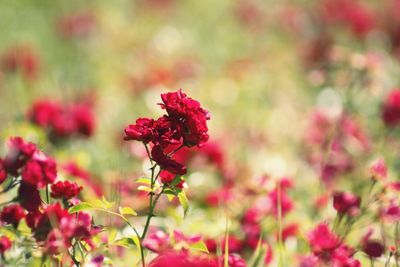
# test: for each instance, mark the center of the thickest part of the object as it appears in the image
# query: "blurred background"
(281, 80)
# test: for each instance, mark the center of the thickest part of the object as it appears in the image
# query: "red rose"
(166, 162)
(141, 131)
(65, 189)
(40, 170)
(12, 214)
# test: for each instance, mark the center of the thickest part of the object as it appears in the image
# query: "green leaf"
(127, 242)
(184, 202)
(144, 188)
(127, 211)
(176, 181)
(80, 207)
(143, 180)
(199, 246)
(107, 204)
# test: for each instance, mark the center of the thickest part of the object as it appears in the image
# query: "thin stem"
(151, 213)
(396, 241)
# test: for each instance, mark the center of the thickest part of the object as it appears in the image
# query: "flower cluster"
(63, 120)
(184, 125)
(52, 226)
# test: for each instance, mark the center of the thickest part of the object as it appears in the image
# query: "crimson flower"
(141, 131)
(28, 197)
(165, 162)
(5, 244)
(346, 203)
(12, 214)
(19, 152)
(65, 190)
(40, 170)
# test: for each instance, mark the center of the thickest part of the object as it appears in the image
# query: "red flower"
(346, 203)
(42, 222)
(21, 58)
(5, 244)
(165, 162)
(65, 189)
(84, 119)
(323, 240)
(391, 109)
(12, 214)
(373, 248)
(141, 131)
(19, 152)
(42, 112)
(63, 120)
(40, 170)
(28, 197)
(182, 259)
(235, 245)
(157, 241)
(189, 111)
(167, 131)
(3, 172)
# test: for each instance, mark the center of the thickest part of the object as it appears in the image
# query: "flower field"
(172, 133)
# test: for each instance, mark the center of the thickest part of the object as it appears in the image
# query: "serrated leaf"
(80, 207)
(199, 246)
(144, 188)
(184, 202)
(143, 180)
(127, 211)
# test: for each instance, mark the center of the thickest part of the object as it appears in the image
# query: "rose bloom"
(12, 214)
(40, 170)
(65, 190)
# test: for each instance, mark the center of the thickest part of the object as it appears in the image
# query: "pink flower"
(346, 203)
(157, 241)
(5, 244)
(182, 259)
(65, 190)
(378, 169)
(322, 240)
(12, 214)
